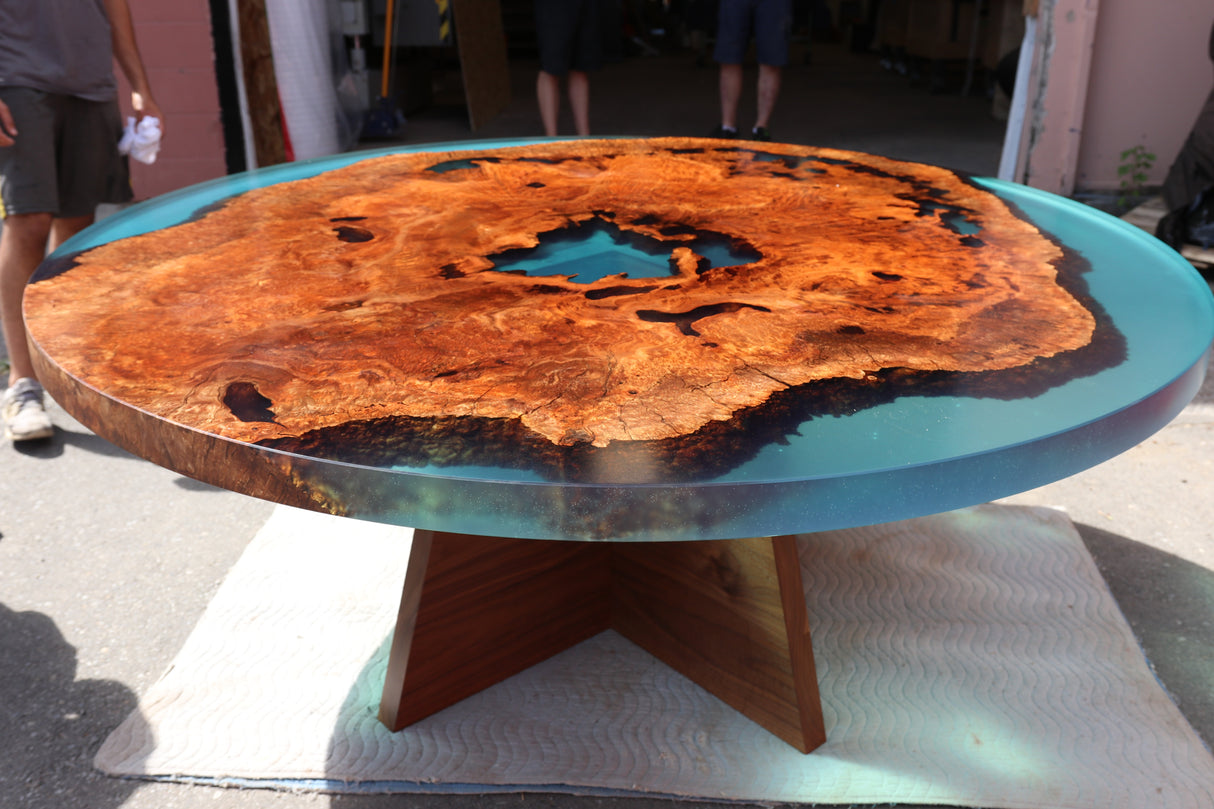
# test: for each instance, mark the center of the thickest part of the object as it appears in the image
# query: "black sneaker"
(724, 132)
(760, 133)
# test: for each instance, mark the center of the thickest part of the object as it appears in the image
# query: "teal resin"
(907, 457)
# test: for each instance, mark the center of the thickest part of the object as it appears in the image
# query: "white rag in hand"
(141, 140)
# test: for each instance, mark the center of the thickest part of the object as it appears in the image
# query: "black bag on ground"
(1191, 224)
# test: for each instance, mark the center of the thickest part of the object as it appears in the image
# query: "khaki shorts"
(65, 160)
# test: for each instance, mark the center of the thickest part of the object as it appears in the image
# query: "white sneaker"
(25, 416)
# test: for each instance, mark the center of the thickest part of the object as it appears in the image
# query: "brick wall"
(175, 39)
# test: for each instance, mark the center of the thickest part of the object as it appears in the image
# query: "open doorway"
(902, 78)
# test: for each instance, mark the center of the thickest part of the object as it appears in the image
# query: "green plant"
(1136, 163)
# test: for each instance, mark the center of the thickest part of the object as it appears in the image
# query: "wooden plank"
(481, 41)
(1147, 215)
(730, 615)
(476, 610)
(802, 668)
(261, 86)
(1199, 257)
(391, 703)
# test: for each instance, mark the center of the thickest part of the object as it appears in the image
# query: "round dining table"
(609, 382)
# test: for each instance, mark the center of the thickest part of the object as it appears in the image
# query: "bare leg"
(63, 229)
(769, 91)
(579, 100)
(731, 92)
(548, 93)
(22, 248)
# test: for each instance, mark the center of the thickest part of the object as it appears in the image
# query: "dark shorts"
(769, 21)
(570, 35)
(65, 160)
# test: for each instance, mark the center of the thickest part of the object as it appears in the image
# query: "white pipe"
(299, 36)
(246, 121)
(1013, 138)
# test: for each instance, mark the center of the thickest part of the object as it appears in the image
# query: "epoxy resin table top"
(619, 339)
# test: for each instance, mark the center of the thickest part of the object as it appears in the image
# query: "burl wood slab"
(371, 292)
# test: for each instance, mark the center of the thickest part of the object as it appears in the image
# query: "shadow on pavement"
(1169, 603)
(51, 724)
(191, 485)
(53, 447)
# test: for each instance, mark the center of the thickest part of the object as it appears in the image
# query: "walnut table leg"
(476, 610)
(728, 614)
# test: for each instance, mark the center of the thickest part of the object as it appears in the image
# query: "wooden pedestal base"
(728, 614)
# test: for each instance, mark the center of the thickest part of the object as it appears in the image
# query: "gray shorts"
(65, 160)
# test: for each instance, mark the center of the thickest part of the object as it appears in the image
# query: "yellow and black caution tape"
(444, 20)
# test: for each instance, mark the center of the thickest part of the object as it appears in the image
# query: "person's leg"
(733, 37)
(579, 100)
(24, 242)
(731, 93)
(22, 247)
(28, 197)
(555, 27)
(548, 93)
(65, 161)
(773, 27)
(89, 172)
(64, 228)
(769, 91)
(587, 56)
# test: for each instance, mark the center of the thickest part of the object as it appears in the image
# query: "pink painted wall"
(1067, 32)
(175, 39)
(1150, 74)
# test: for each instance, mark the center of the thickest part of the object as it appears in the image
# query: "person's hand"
(145, 105)
(8, 127)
